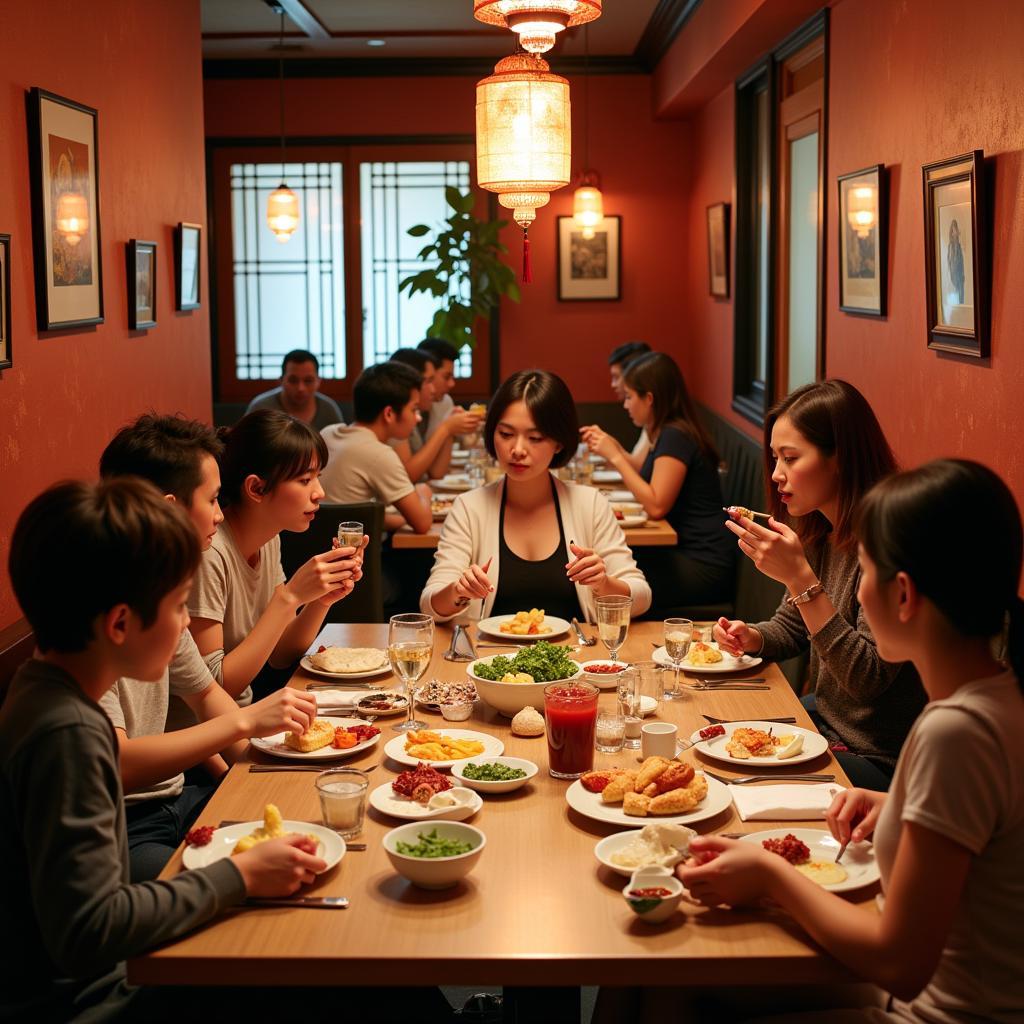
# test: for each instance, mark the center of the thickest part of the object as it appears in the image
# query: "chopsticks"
(746, 513)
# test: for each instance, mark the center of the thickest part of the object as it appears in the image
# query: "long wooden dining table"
(538, 909)
(655, 533)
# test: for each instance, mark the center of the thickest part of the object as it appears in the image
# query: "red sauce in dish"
(655, 892)
(200, 836)
(605, 670)
(712, 731)
(788, 848)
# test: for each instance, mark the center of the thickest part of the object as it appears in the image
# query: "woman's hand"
(285, 710)
(853, 814)
(727, 871)
(600, 443)
(473, 584)
(775, 549)
(587, 568)
(736, 637)
(279, 866)
(325, 573)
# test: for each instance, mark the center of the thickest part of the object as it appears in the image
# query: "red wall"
(139, 65)
(644, 169)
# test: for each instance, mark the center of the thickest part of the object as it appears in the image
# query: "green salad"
(544, 661)
(492, 772)
(432, 845)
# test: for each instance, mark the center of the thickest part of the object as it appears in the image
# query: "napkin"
(337, 700)
(795, 802)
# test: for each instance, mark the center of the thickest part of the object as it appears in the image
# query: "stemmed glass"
(410, 648)
(678, 635)
(613, 621)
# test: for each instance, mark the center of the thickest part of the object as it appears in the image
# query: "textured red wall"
(644, 169)
(139, 65)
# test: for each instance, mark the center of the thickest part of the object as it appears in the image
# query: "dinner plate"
(276, 746)
(440, 513)
(590, 806)
(395, 747)
(858, 862)
(553, 626)
(814, 745)
(387, 801)
(610, 845)
(456, 482)
(632, 522)
(330, 846)
(621, 497)
(727, 664)
(367, 674)
(607, 476)
(399, 700)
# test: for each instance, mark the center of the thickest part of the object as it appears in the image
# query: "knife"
(298, 768)
(732, 721)
(310, 902)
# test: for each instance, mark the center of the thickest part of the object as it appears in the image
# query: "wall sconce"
(72, 216)
(536, 22)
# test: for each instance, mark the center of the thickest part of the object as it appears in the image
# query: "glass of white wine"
(678, 635)
(410, 648)
(613, 621)
(350, 535)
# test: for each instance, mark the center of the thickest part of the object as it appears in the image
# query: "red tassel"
(527, 270)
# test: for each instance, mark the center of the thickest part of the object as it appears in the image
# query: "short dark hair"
(129, 545)
(418, 359)
(628, 351)
(440, 348)
(300, 355)
(272, 445)
(389, 384)
(166, 450)
(550, 404)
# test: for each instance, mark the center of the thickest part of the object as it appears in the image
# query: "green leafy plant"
(465, 271)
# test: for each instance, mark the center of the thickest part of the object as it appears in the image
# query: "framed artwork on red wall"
(588, 262)
(5, 302)
(718, 250)
(187, 251)
(141, 260)
(863, 236)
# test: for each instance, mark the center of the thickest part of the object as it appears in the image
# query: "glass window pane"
(803, 260)
(763, 256)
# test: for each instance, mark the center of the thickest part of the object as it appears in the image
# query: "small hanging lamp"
(72, 216)
(282, 203)
(523, 138)
(536, 22)
(587, 201)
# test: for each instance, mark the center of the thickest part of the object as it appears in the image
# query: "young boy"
(362, 466)
(66, 900)
(179, 457)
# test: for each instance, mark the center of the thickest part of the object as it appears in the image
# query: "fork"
(581, 637)
(731, 721)
(723, 686)
(744, 779)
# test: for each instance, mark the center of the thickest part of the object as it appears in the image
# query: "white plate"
(387, 801)
(308, 666)
(632, 522)
(330, 846)
(440, 514)
(400, 700)
(607, 476)
(612, 844)
(858, 861)
(276, 746)
(553, 626)
(727, 664)
(647, 705)
(600, 680)
(621, 497)
(456, 482)
(590, 805)
(814, 745)
(395, 747)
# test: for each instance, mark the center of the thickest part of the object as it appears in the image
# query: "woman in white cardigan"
(530, 539)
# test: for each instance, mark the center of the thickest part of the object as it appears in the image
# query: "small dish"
(604, 678)
(387, 801)
(434, 872)
(653, 909)
(506, 785)
(456, 712)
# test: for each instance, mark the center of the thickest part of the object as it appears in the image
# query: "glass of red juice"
(571, 713)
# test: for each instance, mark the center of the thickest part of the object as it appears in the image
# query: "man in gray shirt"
(299, 393)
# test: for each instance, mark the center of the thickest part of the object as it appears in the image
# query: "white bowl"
(507, 786)
(655, 909)
(603, 680)
(510, 698)
(456, 712)
(435, 872)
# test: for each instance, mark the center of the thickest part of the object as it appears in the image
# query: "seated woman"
(677, 481)
(531, 540)
(824, 449)
(949, 835)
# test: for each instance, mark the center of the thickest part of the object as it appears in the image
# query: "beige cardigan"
(470, 537)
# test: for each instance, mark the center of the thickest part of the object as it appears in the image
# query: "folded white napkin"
(795, 802)
(337, 700)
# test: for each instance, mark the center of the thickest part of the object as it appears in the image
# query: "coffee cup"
(658, 739)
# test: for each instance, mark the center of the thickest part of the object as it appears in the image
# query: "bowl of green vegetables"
(510, 684)
(494, 774)
(434, 857)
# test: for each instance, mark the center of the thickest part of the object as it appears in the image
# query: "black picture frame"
(589, 270)
(718, 250)
(188, 265)
(63, 148)
(863, 248)
(6, 356)
(140, 259)
(957, 284)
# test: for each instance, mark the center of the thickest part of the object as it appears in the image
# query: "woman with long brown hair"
(824, 449)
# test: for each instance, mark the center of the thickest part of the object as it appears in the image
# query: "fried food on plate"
(525, 623)
(318, 735)
(675, 776)
(745, 742)
(272, 828)
(682, 800)
(432, 746)
(619, 787)
(650, 770)
(636, 805)
(703, 654)
(596, 781)
(659, 786)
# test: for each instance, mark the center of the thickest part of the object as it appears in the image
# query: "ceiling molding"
(257, 141)
(666, 23)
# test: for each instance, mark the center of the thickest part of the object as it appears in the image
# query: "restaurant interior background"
(907, 83)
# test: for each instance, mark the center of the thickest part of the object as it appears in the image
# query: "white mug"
(658, 739)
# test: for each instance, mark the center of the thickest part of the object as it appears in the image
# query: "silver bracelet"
(807, 595)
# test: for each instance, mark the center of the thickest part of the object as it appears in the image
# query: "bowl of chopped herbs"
(510, 684)
(495, 774)
(437, 857)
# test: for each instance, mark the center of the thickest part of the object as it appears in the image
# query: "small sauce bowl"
(653, 909)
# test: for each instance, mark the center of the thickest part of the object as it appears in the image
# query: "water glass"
(584, 472)
(649, 684)
(678, 635)
(611, 731)
(629, 708)
(613, 621)
(410, 648)
(342, 793)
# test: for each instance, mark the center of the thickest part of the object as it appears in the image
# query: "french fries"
(427, 745)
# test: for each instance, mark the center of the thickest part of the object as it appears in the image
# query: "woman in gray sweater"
(824, 449)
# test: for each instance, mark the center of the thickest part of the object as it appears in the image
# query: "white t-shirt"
(961, 775)
(360, 468)
(140, 708)
(438, 414)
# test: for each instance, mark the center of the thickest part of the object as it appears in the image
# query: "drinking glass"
(410, 648)
(571, 713)
(350, 535)
(678, 635)
(611, 731)
(584, 472)
(629, 708)
(342, 793)
(649, 684)
(613, 621)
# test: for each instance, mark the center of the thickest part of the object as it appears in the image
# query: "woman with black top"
(531, 540)
(678, 481)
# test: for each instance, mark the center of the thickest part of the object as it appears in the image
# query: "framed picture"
(65, 192)
(718, 250)
(187, 240)
(141, 258)
(588, 268)
(955, 254)
(863, 241)
(5, 302)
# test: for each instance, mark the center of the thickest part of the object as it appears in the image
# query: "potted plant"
(465, 272)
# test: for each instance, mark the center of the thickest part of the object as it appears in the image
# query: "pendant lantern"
(536, 22)
(523, 138)
(587, 201)
(72, 216)
(282, 203)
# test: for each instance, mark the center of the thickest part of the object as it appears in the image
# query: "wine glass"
(613, 621)
(410, 648)
(678, 634)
